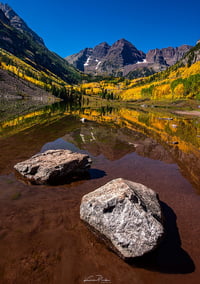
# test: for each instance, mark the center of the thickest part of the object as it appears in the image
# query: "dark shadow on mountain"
(95, 173)
(169, 257)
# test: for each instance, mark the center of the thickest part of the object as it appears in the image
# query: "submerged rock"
(53, 166)
(125, 214)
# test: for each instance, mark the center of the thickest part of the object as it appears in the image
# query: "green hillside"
(180, 81)
(38, 56)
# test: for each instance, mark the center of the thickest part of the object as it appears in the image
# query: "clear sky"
(67, 26)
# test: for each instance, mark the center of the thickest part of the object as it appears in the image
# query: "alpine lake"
(42, 239)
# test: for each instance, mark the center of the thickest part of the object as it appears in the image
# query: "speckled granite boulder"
(125, 214)
(53, 166)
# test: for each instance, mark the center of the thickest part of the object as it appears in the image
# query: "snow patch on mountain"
(99, 62)
(87, 62)
(143, 61)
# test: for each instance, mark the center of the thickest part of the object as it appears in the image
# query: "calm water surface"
(156, 148)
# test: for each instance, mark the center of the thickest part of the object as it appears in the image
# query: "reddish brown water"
(42, 239)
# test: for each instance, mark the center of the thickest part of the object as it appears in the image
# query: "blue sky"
(67, 26)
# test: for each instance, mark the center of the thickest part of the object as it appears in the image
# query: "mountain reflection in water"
(107, 131)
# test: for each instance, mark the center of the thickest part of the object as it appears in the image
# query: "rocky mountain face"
(79, 59)
(192, 56)
(3, 17)
(156, 60)
(124, 59)
(17, 38)
(167, 56)
(16, 22)
(105, 59)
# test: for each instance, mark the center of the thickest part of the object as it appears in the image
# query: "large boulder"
(125, 214)
(53, 166)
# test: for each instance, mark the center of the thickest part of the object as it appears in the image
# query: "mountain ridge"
(25, 44)
(18, 23)
(91, 60)
(122, 57)
(180, 81)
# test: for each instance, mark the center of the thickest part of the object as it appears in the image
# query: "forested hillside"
(181, 80)
(29, 59)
